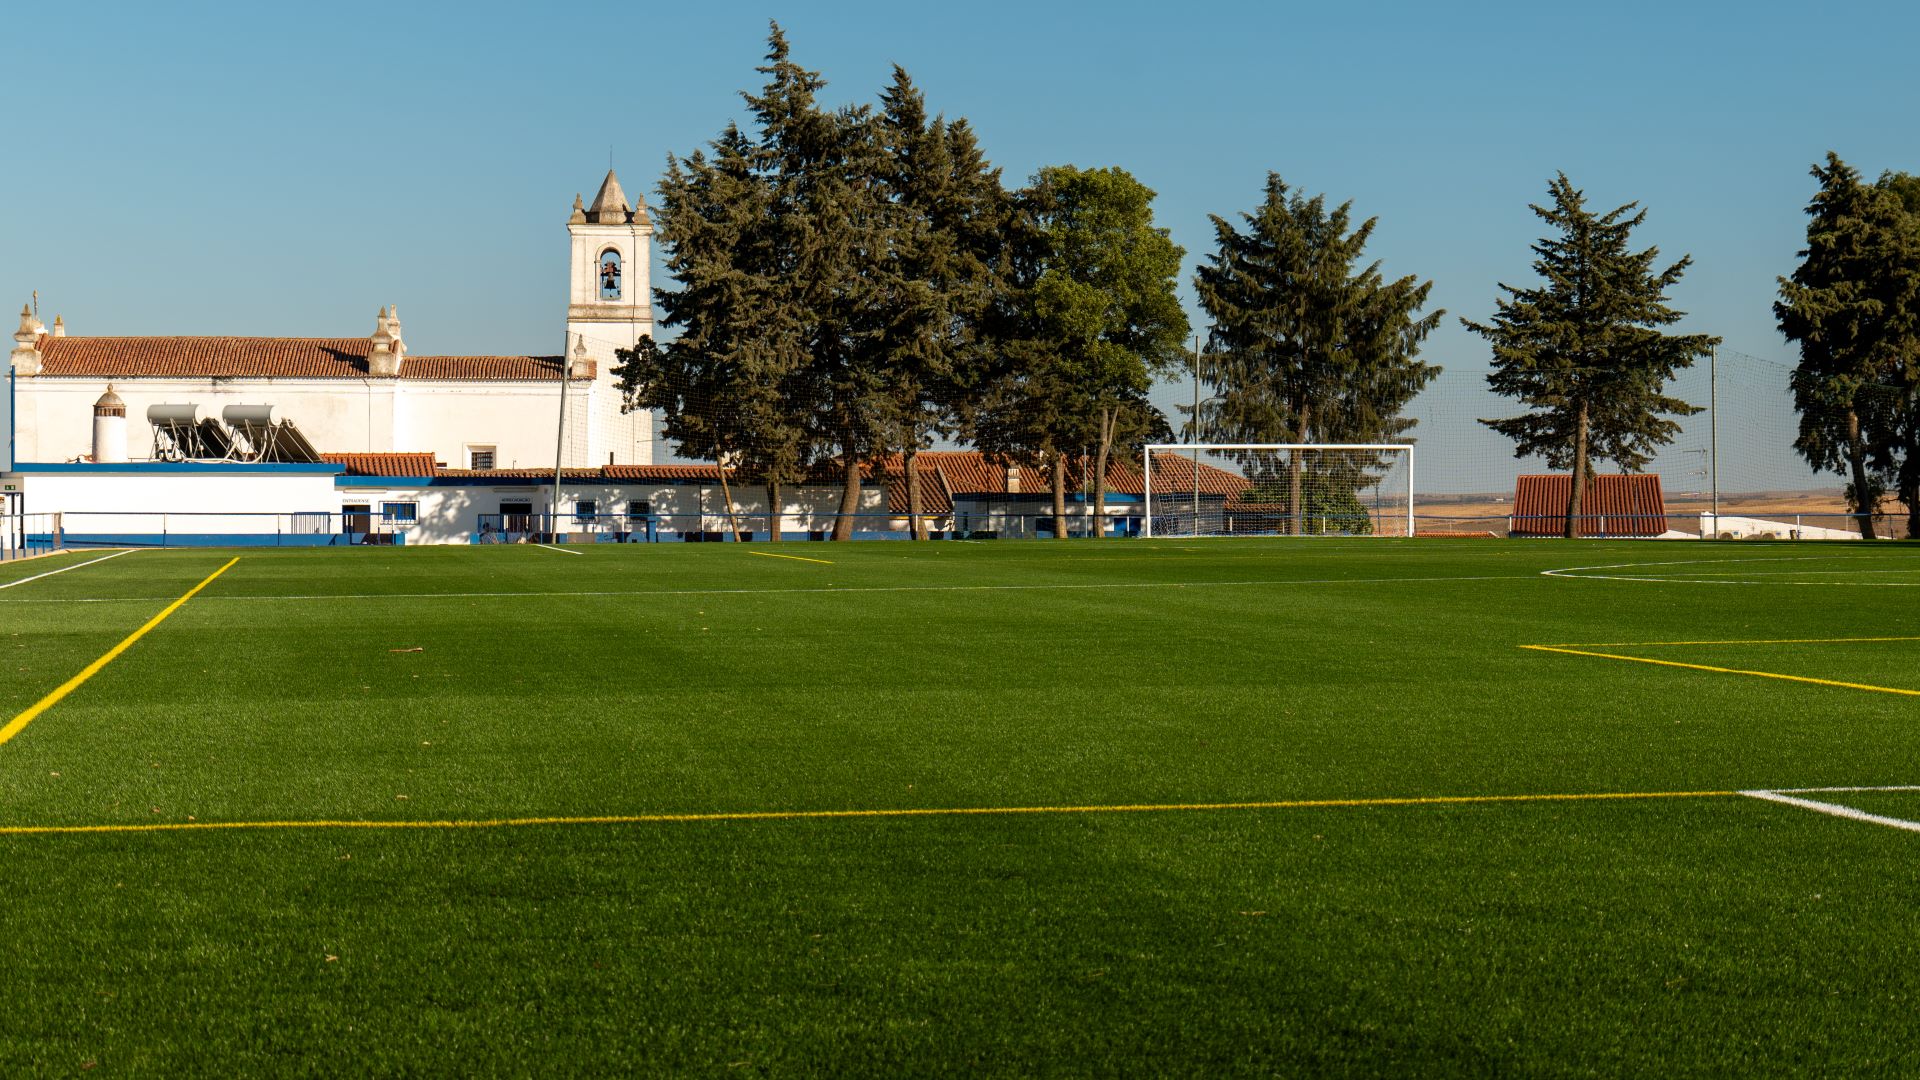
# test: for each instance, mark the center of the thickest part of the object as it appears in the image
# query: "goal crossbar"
(1196, 449)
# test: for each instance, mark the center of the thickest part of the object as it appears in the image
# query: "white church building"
(369, 394)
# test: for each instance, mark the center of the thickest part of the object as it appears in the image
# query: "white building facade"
(371, 394)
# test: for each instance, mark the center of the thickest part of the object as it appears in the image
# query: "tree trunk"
(849, 500)
(773, 510)
(1863, 503)
(1577, 488)
(1059, 495)
(916, 525)
(1107, 421)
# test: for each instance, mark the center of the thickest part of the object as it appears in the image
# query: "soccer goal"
(1277, 489)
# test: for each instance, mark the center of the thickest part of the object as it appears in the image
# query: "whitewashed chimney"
(393, 330)
(381, 362)
(26, 353)
(110, 429)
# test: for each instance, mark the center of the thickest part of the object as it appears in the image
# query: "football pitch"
(1256, 807)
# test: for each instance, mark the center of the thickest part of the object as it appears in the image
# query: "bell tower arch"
(609, 302)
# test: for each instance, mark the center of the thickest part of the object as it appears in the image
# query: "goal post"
(1277, 489)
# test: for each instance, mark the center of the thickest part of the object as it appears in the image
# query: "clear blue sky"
(283, 170)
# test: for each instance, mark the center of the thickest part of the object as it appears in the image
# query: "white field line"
(793, 591)
(561, 550)
(1581, 573)
(64, 569)
(1790, 797)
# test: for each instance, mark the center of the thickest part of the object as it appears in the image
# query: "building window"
(609, 275)
(399, 513)
(480, 457)
(584, 511)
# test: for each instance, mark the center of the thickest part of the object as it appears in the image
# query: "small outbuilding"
(1614, 504)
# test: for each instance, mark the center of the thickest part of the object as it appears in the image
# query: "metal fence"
(25, 535)
(116, 528)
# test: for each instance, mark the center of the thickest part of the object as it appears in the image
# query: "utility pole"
(1194, 436)
(560, 432)
(1713, 432)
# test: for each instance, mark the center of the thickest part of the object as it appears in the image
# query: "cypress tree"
(1306, 344)
(725, 384)
(1853, 308)
(944, 239)
(1584, 349)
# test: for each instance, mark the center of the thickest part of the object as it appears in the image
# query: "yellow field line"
(795, 558)
(1727, 671)
(18, 723)
(1726, 641)
(812, 815)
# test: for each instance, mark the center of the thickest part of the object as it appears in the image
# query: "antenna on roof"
(36, 304)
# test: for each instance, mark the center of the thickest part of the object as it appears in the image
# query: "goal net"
(1274, 489)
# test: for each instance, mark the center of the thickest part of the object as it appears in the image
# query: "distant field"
(1210, 807)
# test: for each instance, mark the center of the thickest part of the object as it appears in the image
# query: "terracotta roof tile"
(498, 368)
(612, 474)
(257, 357)
(1614, 504)
(631, 473)
(384, 464)
(964, 473)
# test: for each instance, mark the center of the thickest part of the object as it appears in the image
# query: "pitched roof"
(268, 358)
(613, 474)
(949, 474)
(610, 206)
(384, 464)
(1614, 504)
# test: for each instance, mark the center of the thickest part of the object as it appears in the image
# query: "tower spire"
(610, 206)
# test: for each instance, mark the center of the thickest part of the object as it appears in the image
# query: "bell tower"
(609, 306)
(609, 303)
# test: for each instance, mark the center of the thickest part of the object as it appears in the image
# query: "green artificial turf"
(1710, 934)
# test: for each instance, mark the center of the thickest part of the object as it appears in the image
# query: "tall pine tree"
(1307, 345)
(1585, 351)
(725, 386)
(828, 221)
(1853, 308)
(945, 233)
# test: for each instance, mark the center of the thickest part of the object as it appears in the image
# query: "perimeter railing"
(25, 535)
(184, 528)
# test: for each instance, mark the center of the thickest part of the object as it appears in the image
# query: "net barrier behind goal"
(1278, 490)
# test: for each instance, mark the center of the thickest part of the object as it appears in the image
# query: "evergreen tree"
(945, 237)
(1584, 350)
(1088, 317)
(1306, 344)
(828, 232)
(1853, 307)
(726, 386)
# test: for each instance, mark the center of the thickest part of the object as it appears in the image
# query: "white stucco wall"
(144, 502)
(55, 421)
(450, 514)
(6, 420)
